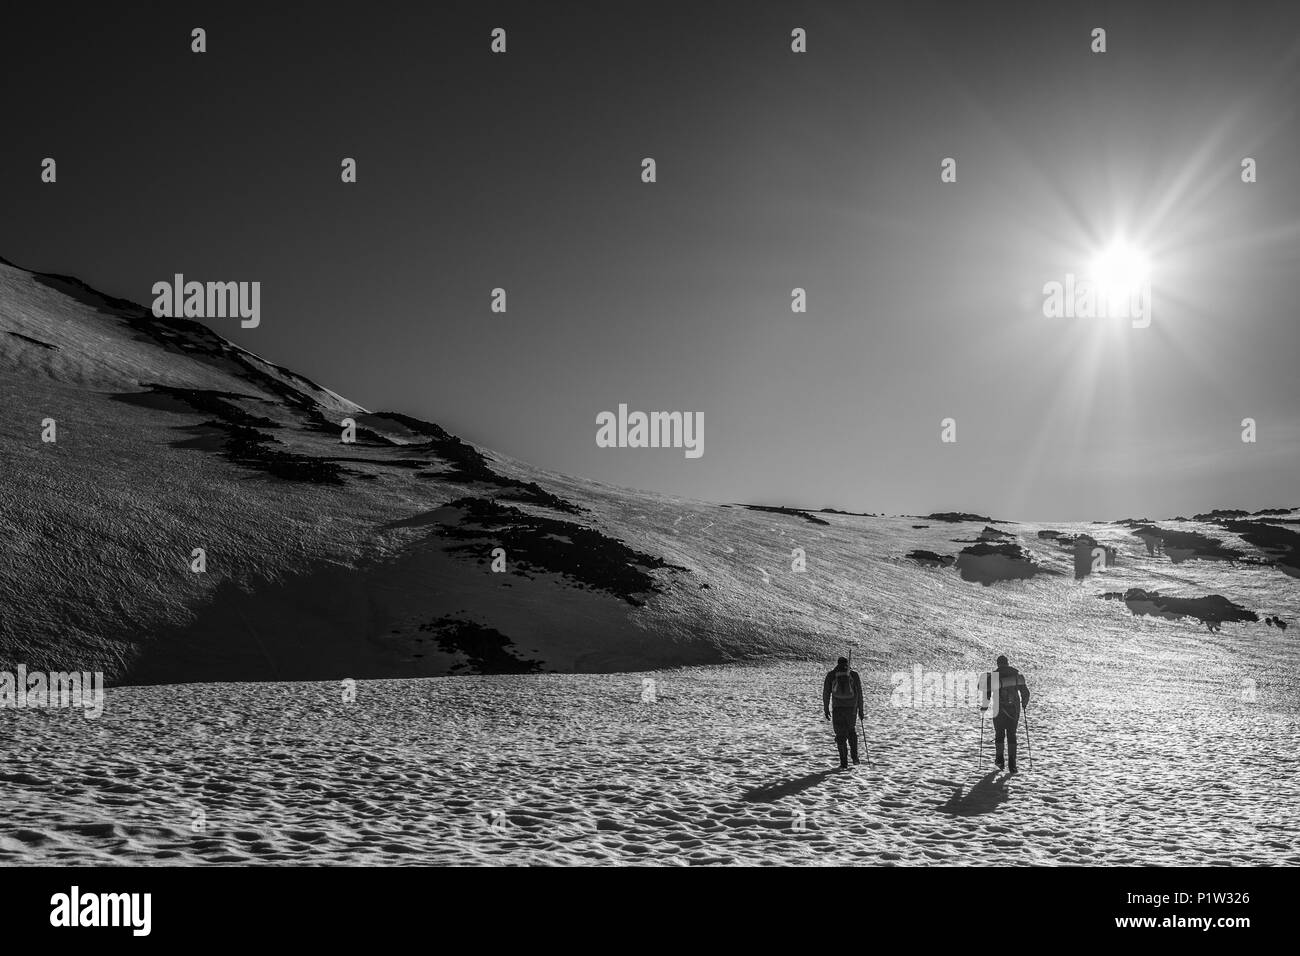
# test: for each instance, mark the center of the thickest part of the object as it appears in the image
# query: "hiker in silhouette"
(1012, 691)
(843, 689)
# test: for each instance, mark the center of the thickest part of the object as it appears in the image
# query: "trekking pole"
(979, 762)
(1029, 742)
(865, 752)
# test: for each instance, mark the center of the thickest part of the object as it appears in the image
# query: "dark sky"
(775, 170)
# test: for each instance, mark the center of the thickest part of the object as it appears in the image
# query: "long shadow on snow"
(984, 797)
(771, 792)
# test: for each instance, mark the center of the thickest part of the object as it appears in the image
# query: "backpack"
(1008, 689)
(843, 693)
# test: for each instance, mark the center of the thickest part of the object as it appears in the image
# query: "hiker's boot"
(1013, 766)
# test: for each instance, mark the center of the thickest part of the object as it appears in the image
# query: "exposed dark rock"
(236, 434)
(1180, 546)
(792, 512)
(469, 465)
(955, 517)
(986, 536)
(537, 543)
(188, 337)
(991, 563)
(1280, 545)
(252, 449)
(931, 559)
(1213, 610)
(78, 290)
(221, 405)
(489, 651)
(1083, 547)
(383, 463)
(28, 338)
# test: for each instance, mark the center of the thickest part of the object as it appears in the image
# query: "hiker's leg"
(840, 721)
(853, 741)
(1000, 732)
(843, 728)
(1011, 739)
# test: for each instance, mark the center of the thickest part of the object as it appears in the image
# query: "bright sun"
(1120, 271)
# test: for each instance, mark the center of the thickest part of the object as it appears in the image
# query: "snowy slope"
(374, 559)
(725, 765)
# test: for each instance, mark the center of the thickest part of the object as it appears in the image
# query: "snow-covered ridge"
(412, 553)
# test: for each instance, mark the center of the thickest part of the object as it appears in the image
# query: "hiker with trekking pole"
(1012, 692)
(843, 689)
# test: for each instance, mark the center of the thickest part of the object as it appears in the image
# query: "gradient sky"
(775, 170)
